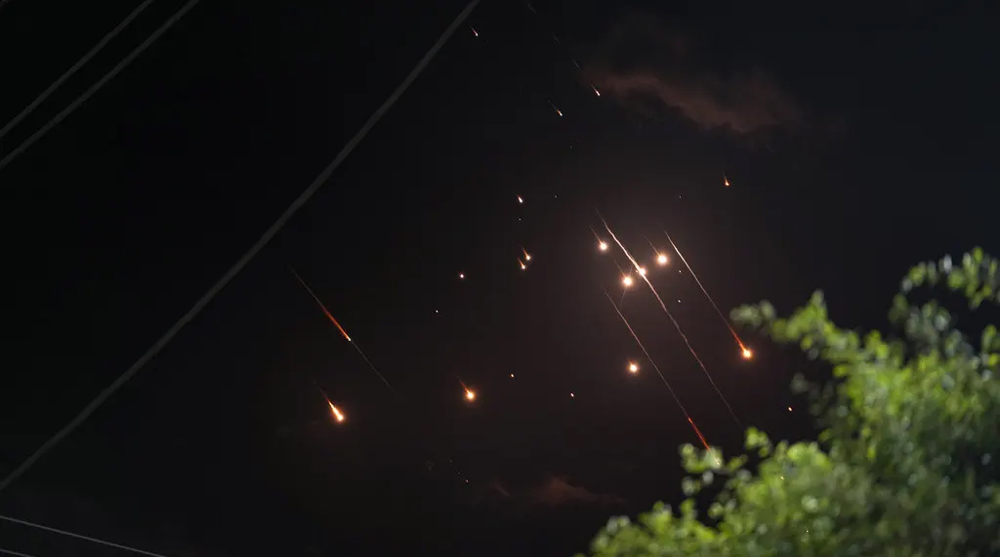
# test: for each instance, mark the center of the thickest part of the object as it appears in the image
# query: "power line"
(72, 70)
(245, 259)
(11, 551)
(100, 83)
(79, 537)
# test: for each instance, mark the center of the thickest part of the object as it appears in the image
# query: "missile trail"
(321, 306)
(342, 331)
(743, 349)
(660, 373)
(676, 324)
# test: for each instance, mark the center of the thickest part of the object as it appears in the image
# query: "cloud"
(557, 492)
(645, 65)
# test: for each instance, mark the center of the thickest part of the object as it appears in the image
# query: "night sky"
(857, 142)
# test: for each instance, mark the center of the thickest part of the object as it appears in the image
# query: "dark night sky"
(857, 141)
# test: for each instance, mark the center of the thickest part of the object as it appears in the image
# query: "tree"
(906, 464)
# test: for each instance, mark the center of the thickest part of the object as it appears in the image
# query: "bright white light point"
(661, 259)
(603, 246)
(642, 271)
(470, 395)
(627, 281)
(523, 266)
(633, 367)
(571, 395)
(436, 311)
(789, 408)
(747, 354)
(461, 275)
(520, 199)
(511, 375)
(527, 257)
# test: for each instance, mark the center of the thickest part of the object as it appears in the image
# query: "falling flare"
(596, 91)
(337, 414)
(571, 395)
(725, 181)
(745, 352)
(520, 199)
(521, 263)
(633, 367)
(558, 112)
(321, 305)
(658, 372)
(627, 281)
(474, 32)
(661, 259)
(527, 256)
(342, 331)
(602, 245)
(677, 326)
(461, 276)
(470, 395)
(511, 375)
(789, 408)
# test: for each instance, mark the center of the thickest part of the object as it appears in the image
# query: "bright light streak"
(725, 181)
(745, 352)
(337, 414)
(642, 271)
(520, 199)
(474, 32)
(596, 91)
(521, 263)
(470, 395)
(677, 325)
(321, 305)
(342, 331)
(658, 372)
(527, 256)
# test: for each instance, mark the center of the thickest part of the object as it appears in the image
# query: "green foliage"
(906, 464)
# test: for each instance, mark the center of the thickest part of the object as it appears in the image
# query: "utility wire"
(11, 551)
(100, 83)
(72, 70)
(245, 259)
(78, 536)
